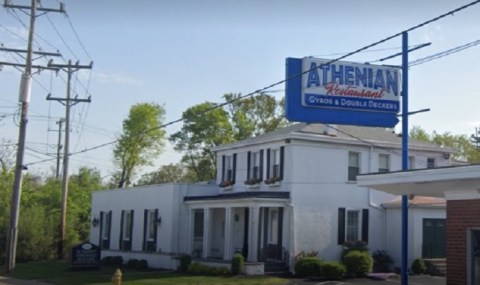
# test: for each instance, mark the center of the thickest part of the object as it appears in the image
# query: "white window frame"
(255, 168)
(358, 158)
(275, 162)
(430, 162)
(127, 225)
(107, 220)
(348, 225)
(383, 158)
(411, 162)
(151, 225)
(228, 171)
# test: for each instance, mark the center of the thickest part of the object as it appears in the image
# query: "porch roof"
(433, 182)
(241, 195)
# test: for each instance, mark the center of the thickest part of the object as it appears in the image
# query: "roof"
(337, 133)
(418, 201)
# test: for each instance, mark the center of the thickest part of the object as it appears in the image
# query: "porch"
(253, 224)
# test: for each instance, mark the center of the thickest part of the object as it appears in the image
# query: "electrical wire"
(78, 38)
(444, 53)
(261, 90)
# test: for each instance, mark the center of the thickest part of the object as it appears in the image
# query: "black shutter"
(365, 225)
(100, 243)
(145, 230)
(109, 225)
(130, 234)
(120, 244)
(268, 163)
(341, 225)
(234, 174)
(249, 154)
(154, 247)
(280, 234)
(261, 165)
(282, 159)
(223, 168)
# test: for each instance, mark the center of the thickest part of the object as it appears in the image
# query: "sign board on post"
(342, 93)
(85, 256)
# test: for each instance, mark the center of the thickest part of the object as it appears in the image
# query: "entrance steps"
(436, 266)
(275, 268)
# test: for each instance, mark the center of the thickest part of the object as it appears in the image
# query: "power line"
(444, 53)
(78, 38)
(262, 90)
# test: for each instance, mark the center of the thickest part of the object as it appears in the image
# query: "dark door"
(433, 238)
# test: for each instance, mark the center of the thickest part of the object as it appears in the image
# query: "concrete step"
(436, 266)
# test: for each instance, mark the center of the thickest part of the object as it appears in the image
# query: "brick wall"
(461, 215)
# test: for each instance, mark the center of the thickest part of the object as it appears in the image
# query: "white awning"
(445, 182)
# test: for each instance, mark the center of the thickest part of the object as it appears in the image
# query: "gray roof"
(345, 133)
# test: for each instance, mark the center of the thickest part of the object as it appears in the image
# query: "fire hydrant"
(117, 277)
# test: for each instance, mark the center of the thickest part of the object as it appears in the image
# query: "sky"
(179, 53)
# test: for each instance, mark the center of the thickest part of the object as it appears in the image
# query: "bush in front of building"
(382, 261)
(137, 264)
(185, 261)
(308, 266)
(418, 266)
(349, 246)
(238, 264)
(358, 263)
(116, 260)
(201, 269)
(333, 270)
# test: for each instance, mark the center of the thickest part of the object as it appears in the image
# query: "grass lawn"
(58, 273)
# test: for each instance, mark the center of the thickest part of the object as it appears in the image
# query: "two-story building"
(276, 195)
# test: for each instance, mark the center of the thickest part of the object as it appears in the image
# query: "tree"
(208, 125)
(204, 126)
(141, 142)
(171, 173)
(465, 150)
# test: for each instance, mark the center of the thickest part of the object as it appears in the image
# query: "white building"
(275, 196)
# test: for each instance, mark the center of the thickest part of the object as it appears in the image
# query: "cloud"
(106, 76)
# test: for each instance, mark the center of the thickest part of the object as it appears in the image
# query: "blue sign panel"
(342, 93)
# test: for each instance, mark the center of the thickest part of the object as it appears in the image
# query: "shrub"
(238, 264)
(382, 261)
(132, 263)
(142, 264)
(185, 261)
(113, 260)
(353, 245)
(201, 269)
(418, 266)
(358, 263)
(333, 270)
(308, 266)
(303, 254)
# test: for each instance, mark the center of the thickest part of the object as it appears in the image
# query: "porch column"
(190, 223)
(228, 250)
(206, 232)
(254, 219)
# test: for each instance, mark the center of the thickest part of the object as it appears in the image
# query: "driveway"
(10, 281)
(412, 280)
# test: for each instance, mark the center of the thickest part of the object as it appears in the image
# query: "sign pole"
(404, 272)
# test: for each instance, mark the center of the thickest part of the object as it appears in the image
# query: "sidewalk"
(412, 280)
(10, 281)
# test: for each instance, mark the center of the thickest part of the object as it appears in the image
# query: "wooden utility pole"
(59, 146)
(68, 102)
(24, 98)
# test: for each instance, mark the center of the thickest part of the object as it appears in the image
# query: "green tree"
(141, 142)
(465, 150)
(204, 126)
(171, 173)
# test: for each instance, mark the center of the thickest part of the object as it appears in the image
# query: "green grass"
(58, 273)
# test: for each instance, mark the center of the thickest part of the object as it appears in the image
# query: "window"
(126, 230)
(228, 170)
(383, 163)
(352, 225)
(255, 165)
(105, 228)
(150, 230)
(353, 165)
(198, 225)
(430, 162)
(411, 162)
(275, 165)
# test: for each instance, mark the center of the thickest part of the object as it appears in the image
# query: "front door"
(433, 238)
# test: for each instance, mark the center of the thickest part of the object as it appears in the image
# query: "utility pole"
(68, 102)
(59, 146)
(24, 97)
